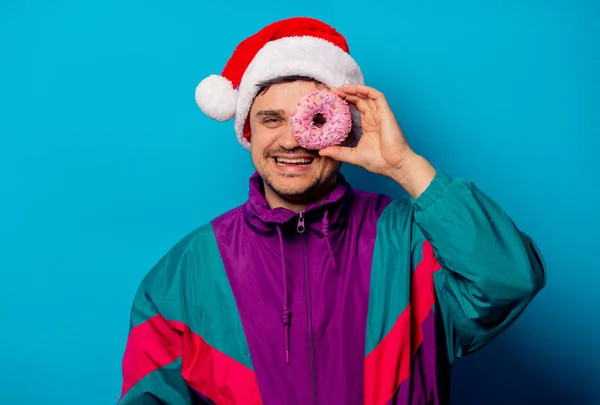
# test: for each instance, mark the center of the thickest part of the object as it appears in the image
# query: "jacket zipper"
(311, 347)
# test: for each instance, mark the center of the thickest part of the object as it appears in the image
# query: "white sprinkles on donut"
(334, 110)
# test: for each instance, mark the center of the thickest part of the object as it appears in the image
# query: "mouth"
(294, 162)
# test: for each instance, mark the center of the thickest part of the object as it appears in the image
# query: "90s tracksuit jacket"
(360, 299)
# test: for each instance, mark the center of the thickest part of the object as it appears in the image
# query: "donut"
(321, 107)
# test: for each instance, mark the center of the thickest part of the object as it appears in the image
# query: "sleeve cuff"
(433, 192)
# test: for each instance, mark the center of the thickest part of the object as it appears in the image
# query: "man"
(312, 292)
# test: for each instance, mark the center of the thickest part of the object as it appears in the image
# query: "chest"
(323, 284)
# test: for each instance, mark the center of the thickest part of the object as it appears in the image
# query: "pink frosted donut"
(321, 106)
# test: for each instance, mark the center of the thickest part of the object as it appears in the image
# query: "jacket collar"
(335, 208)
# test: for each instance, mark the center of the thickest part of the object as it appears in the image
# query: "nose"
(287, 140)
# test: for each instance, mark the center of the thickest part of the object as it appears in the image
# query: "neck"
(298, 203)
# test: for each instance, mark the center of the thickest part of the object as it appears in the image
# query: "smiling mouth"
(304, 161)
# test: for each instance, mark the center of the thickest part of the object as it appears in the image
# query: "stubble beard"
(291, 193)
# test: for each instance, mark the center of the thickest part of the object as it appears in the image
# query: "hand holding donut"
(382, 148)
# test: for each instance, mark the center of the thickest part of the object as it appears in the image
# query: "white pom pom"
(216, 97)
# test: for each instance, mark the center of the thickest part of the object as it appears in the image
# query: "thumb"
(340, 153)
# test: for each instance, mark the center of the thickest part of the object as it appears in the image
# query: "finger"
(366, 100)
(372, 104)
(340, 153)
(360, 89)
(360, 103)
(369, 92)
(338, 91)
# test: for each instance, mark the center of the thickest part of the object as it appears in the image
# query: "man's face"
(292, 172)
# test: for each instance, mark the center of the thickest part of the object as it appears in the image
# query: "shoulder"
(394, 220)
(193, 257)
(370, 200)
(229, 218)
(171, 263)
(368, 207)
(389, 211)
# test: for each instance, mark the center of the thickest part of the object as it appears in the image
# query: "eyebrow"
(270, 113)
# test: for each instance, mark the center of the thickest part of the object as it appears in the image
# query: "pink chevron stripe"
(150, 346)
(158, 342)
(388, 365)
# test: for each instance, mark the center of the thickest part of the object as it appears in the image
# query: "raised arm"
(490, 269)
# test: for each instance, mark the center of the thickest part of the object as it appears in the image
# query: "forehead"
(284, 95)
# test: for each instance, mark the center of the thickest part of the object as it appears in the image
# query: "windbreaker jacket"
(359, 299)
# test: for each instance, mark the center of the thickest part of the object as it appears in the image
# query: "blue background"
(106, 162)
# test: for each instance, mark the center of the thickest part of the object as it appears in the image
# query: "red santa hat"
(295, 46)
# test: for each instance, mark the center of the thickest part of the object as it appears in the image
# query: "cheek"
(258, 145)
(330, 164)
(263, 138)
(257, 140)
(256, 152)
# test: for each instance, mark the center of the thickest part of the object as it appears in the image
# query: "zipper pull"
(300, 228)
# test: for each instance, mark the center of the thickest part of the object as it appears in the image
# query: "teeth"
(294, 161)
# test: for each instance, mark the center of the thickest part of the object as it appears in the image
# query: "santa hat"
(295, 46)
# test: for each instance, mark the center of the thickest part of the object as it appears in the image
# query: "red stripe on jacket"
(389, 364)
(158, 342)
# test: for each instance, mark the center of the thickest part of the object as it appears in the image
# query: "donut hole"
(319, 120)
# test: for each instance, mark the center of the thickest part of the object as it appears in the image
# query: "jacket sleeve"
(152, 362)
(490, 270)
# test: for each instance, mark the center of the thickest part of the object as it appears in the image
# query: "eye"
(271, 121)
